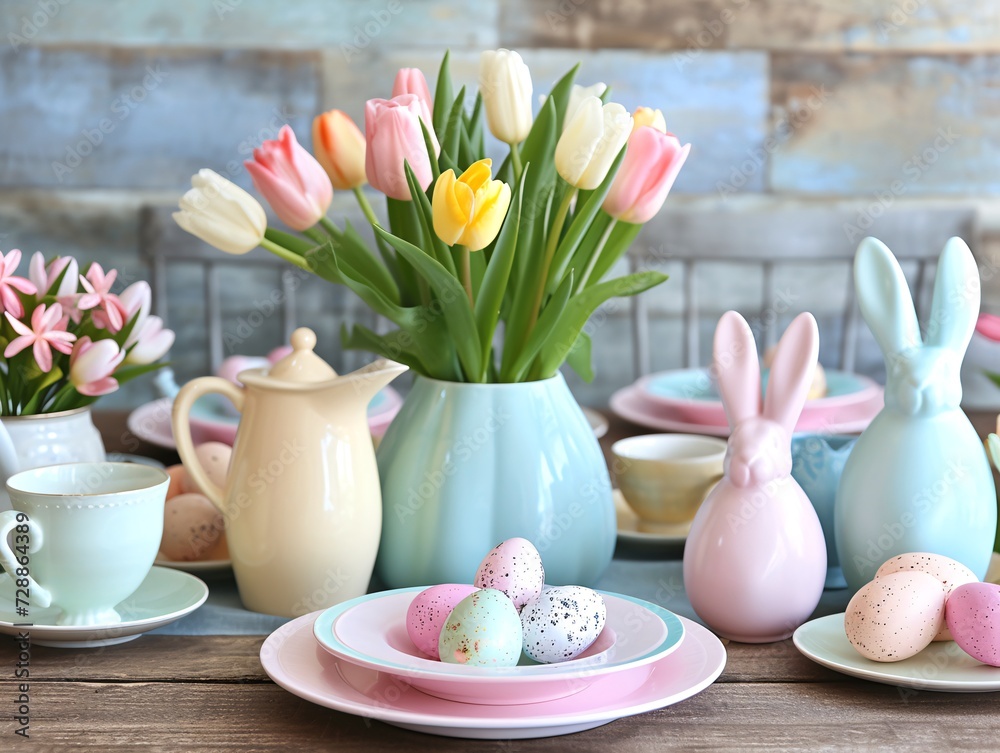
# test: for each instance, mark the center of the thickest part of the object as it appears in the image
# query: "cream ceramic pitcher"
(302, 502)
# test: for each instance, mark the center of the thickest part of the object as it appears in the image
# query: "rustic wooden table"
(194, 693)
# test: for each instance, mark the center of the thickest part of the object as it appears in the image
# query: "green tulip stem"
(466, 269)
(366, 207)
(283, 253)
(314, 235)
(330, 228)
(515, 160)
(550, 252)
(596, 255)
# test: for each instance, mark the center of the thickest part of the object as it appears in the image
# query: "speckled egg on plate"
(214, 458)
(514, 567)
(950, 572)
(483, 630)
(562, 623)
(973, 616)
(177, 482)
(192, 526)
(428, 612)
(895, 616)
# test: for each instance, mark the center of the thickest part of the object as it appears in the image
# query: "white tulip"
(505, 83)
(222, 214)
(591, 141)
(576, 96)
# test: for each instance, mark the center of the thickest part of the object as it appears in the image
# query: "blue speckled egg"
(483, 630)
(428, 611)
(562, 623)
(515, 567)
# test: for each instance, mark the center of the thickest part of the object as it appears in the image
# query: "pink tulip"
(110, 313)
(412, 81)
(647, 173)
(9, 284)
(988, 325)
(92, 364)
(292, 181)
(392, 128)
(47, 333)
(148, 341)
(43, 276)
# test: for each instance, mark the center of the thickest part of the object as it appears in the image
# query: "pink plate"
(370, 632)
(632, 404)
(293, 659)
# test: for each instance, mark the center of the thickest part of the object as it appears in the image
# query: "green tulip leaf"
(542, 332)
(429, 146)
(449, 142)
(617, 244)
(443, 94)
(580, 357)
(560, 95)
(425, 214)
(396, 345)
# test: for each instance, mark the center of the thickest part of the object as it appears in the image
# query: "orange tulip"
(339, 146)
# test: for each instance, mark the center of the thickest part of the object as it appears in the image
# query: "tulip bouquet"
(489, 276)
(67, 339)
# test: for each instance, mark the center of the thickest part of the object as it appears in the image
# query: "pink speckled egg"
(514, 567)
(895, 616)
(973, 616)
(429, 611)
(192, 526)
(214, 458)
(950, 572)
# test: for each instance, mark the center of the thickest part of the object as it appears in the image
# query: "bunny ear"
(792, 371)
(956, 298)
(736, 367)
(884, 298)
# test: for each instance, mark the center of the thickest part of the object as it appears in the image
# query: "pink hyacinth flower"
(148, 341)
(293, 182)
(43, 276)
(92, 364)
(111, 313)
(392, 129)
(47, 333)
(648, 172)
(10, 284)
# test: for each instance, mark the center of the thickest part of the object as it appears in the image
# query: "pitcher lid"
(302, 364)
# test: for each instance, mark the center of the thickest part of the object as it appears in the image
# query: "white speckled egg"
(973, 614)
(483, 630)
(895, 616)
(950, 572)
(214, 458)
(428, 612)
(515, 567)
(192, 526)
(562, 623)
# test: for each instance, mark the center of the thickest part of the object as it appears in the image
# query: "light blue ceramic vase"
(918, 479)
(465, 466)
(817, 463)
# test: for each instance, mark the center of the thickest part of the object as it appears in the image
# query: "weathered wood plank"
(815, 25)
(886, 126)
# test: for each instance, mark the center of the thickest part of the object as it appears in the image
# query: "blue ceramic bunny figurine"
(918, 479)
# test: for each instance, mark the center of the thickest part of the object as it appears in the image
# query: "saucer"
(163, 597)
(629, 526)
(293, 659)
(941, 666)
(370, 632)
(204, 568)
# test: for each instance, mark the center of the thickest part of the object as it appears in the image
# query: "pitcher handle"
(182, 430)
(19, 568)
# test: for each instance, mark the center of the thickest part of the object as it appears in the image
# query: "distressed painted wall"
(815, 115)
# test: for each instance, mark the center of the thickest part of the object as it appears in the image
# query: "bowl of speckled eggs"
(506, 638)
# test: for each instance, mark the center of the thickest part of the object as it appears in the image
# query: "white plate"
(370, 631)
(294, 660)
(163, 597)
(941, 666)
(629, 527)
(597, 421)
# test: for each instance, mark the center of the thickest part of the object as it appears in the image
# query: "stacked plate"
(685, 400)
(357, 657)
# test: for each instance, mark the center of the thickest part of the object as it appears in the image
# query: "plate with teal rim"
(370, 632)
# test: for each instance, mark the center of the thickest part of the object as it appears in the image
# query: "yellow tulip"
(647, 116)
(469, 210)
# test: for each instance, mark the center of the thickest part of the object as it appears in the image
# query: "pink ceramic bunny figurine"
(755, 560)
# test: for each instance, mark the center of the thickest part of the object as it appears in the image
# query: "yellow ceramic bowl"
(665, 477)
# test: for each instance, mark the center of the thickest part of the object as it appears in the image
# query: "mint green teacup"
(82, 536)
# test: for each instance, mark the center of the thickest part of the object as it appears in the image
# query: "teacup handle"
(182, 431)
(12, 520)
